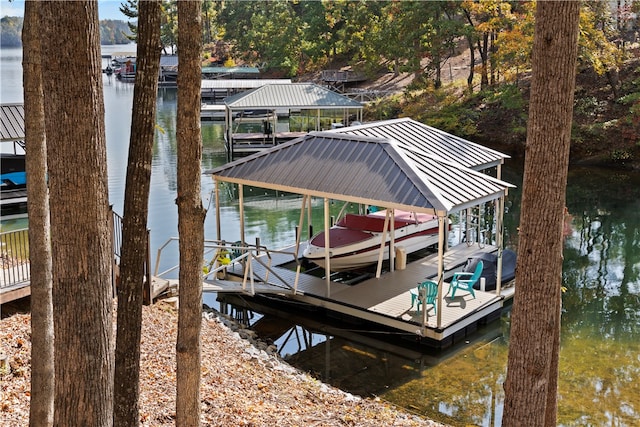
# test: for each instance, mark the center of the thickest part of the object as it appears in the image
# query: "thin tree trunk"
(81, 241)
(484, 56)
(42, 367)
(472, 64)
(136, 207)
(190, 215)
(531, 383)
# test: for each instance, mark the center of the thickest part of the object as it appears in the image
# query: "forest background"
(460, 66)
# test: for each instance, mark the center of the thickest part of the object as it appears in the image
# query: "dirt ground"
(242, 384)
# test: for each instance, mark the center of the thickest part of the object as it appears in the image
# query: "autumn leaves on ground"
(241, 385)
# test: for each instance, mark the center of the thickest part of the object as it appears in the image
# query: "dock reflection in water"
(457, 386)
(600, 337)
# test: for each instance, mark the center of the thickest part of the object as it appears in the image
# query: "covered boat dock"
(307, 107)
(392, 173)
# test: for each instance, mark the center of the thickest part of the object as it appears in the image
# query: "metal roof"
(294, 95)
(421, 138)
(231, 70)
(11, 122)
(240, 83)
(363, 170)
(168, 61)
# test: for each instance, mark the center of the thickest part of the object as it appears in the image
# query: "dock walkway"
(387, 300)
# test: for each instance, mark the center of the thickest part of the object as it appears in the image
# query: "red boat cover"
(340, 237)
(375, 222)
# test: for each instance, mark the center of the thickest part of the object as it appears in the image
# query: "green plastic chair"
(464, 280)
(430, 295)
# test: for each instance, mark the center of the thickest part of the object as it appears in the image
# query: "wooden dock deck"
(387, 301)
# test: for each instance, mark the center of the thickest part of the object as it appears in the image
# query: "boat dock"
(384, 301)
(396, 165)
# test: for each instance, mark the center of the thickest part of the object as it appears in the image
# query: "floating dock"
(384, 301)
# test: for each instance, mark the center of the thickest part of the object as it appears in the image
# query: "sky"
(107, 9)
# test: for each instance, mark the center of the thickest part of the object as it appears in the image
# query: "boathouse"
(391, 172)
(213, 93)
(14, 267)
(307, 107)
(13, 198)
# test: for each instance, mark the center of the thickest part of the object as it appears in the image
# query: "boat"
(490, 268)
(13, 184)
(355, 240)
(13, 171)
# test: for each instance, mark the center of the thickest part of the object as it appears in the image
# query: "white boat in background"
(355, 240)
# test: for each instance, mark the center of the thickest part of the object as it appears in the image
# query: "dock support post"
(327, 247)
(500, 243)
(241, 202)
(442, 220)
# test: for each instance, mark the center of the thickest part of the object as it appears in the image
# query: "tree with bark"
(134, 225)
(190, 214)
(532, 372)
(81, 243)
(42, 368)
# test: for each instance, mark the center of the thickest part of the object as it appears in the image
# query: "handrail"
(15, 267)
(14, 257)
(246, 254)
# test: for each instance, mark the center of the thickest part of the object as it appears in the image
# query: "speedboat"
(355, 240)
(13, 171)
(13, 184)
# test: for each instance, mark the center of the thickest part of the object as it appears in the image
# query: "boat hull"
(357, 242)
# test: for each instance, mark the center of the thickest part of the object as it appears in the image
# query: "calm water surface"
(600, 355)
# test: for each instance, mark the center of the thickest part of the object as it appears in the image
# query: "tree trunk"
(483, 48)
(492, 59)
(614, 81)
(190, 215)
(42, 368)
(134, 228)
(531, 383)
(472, 63)
(81, 242)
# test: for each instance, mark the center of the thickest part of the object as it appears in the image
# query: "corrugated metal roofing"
(294, 95)
(168, 61)
(363, 170)
(231, 70)
(11, 122)
(240, 83)
(421, 138)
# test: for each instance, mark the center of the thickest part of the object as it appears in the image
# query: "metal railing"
(240, 258)
(14, 254)
(14, 258)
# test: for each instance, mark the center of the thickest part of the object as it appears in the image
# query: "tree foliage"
(111, 32)
(408, 36)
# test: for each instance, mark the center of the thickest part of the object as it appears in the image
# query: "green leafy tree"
(487, 19)
(513, 47)
(130, 9)
(266, 33)
(351, 23)
(597, 47)
(315, 33)
(169, 28)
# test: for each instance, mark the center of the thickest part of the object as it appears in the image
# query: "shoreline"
(243, 381)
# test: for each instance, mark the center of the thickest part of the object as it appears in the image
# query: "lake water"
(600, 356)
